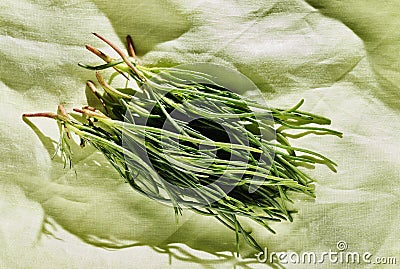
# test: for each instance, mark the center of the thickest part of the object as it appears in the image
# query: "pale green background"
(343, 57)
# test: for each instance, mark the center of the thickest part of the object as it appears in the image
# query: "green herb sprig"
(181, 139)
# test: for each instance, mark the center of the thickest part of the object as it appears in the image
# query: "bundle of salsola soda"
(178, 137)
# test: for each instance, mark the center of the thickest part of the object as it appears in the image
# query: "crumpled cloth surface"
(342, 58)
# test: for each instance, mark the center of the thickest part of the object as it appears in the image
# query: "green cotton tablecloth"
(342, 57)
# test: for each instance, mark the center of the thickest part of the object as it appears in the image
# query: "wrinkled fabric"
(342, 58)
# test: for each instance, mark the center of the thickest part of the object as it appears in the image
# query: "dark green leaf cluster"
(180, 138)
